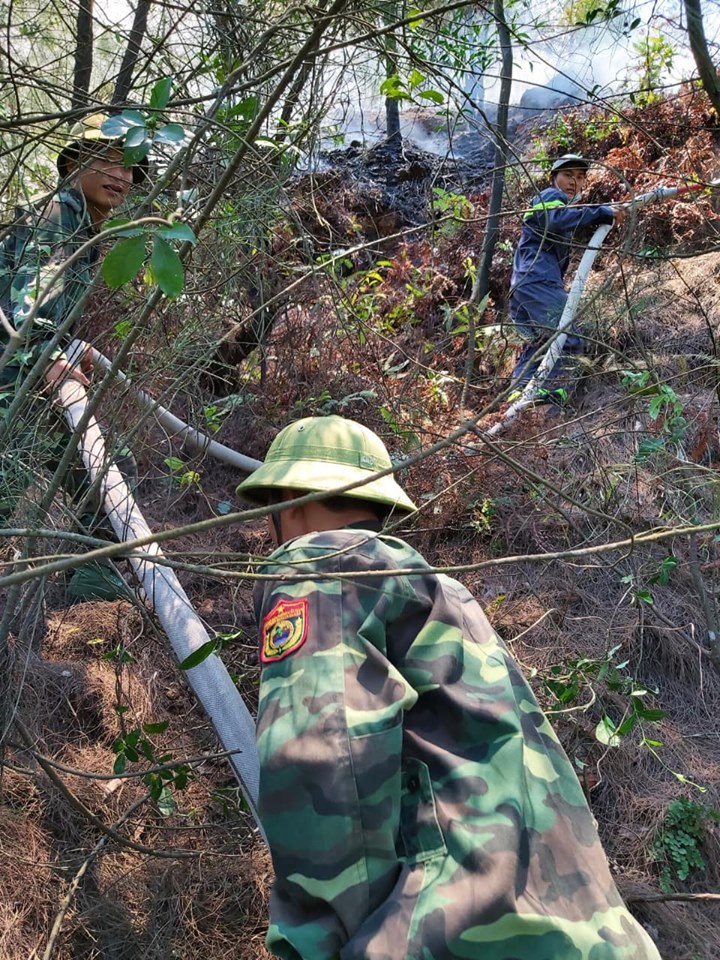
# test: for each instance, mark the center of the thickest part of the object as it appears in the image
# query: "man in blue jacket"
(537, 295)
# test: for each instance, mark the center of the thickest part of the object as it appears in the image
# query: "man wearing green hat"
(93, 181)
(417, 803)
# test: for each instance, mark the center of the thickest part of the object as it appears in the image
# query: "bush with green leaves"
(580, 681)
(654, 59)
(677, 844)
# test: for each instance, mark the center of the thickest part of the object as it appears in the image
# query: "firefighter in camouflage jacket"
(417, 802)
(47, 262)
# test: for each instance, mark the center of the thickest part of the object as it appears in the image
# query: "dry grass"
(128, 904)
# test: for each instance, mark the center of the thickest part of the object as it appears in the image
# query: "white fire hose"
(532, 389)
(209, 680)
(193, 438)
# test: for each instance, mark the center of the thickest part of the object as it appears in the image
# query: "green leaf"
(119, 124)
(644, 596)
(120, 763)
(133, 155)
(161, 93)
(123, 262)
(648, 447)
(136, 136)
(228, 637)
(166, 802)
(648, 713)
(170, 133)
(655, 406)
(155, 783)
(664, 571)
(415, 78)
(393, 88)
(175, 463)
(197, 656)
(246, 110)
(606, 733)
(433, 95)
(160, 727)
(131, 232)
(627, 725)
(178, 231)
(167, 268)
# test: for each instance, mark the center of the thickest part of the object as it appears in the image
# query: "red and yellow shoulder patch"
(284, 630)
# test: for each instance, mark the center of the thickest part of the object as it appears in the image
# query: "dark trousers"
(536, 322)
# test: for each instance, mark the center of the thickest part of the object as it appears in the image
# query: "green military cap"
(320, 454)
(89, 130)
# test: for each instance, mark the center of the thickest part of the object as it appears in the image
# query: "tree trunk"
(293, 97)
(500, 136)
(82, 70)
(699, 47)
(392, 122)
(492, 225)
(392, 106)
(132, 52)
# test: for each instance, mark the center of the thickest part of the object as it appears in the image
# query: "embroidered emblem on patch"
(284, 630)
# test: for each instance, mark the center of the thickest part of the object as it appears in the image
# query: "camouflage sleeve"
(42, 242)
(329, 737)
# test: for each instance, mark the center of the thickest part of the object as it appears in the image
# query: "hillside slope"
(615, 641)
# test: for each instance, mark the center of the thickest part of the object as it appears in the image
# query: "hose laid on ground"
(195, 439)
(209, 680)
(555, 348)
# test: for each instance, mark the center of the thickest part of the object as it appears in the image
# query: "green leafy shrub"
(677, 845)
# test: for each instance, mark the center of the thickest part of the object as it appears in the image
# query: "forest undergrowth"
(617, 643)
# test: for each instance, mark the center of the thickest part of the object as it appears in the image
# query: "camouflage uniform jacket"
(417, 803)
(42, 237)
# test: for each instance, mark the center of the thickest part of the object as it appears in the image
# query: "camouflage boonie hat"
(89, 130)
(321, 454)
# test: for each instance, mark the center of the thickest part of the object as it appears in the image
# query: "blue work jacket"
(543, 253)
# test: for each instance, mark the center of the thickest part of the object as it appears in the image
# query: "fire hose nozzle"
(666, 193)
